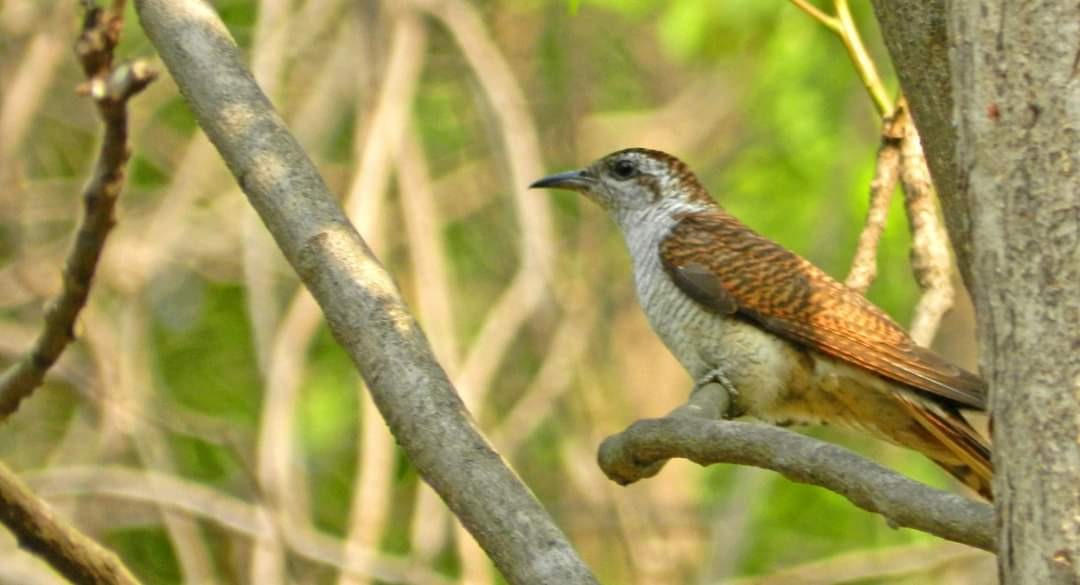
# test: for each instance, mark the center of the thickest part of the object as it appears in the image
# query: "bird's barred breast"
(761, 366)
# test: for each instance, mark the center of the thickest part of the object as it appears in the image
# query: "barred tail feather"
(975, 469)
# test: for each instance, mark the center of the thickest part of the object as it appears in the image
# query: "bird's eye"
(623, 169)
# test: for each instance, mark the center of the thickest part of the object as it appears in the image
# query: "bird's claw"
(714, 396)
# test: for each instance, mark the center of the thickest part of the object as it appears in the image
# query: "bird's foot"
(713, 397)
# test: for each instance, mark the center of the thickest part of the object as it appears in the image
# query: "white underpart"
(756, 362)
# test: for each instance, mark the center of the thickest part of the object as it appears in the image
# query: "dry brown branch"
(111, 88)
(920, 41)
(362, 305)
(930, 258)
(39, 531)
(886, 173)
(694, 432)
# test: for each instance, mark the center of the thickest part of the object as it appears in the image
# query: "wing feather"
(726, 267)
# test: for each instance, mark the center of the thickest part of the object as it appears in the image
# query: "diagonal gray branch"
(691, 432)
(361, 302)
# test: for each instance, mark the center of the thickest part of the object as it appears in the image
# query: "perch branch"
(110, 87)
(363, 307)
(691, 432)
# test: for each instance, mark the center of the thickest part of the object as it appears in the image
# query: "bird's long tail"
(972, 465)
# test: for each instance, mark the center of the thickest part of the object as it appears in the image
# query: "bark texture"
(1000, 81)
(1017, 113)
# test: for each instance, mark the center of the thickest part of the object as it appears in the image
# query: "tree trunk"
(1010, 189)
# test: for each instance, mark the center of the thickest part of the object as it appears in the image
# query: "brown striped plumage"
(782, 292)
(796, 344)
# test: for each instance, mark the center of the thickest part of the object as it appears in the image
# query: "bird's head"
(632, 180)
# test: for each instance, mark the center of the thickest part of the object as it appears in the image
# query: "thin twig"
(830, 22)
(40, 531)
(110, 87)
(642, 449)
(844, 26)
(864, 65)
(886, 174)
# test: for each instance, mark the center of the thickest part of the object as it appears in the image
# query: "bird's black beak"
(572, 180)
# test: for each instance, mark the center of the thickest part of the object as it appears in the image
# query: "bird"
(789, 343)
